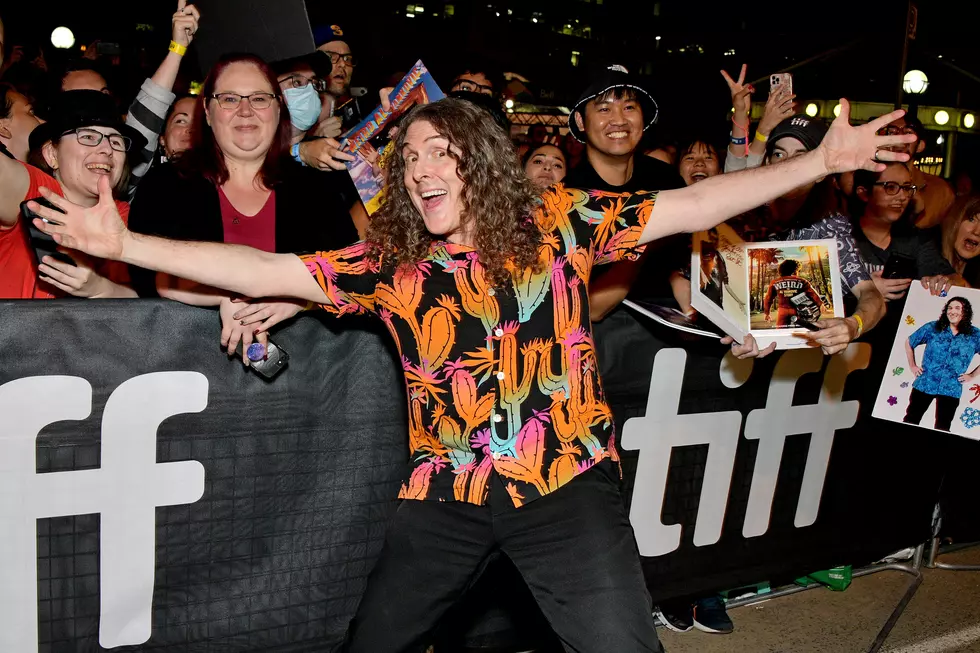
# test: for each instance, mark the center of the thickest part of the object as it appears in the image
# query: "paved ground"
(944, 616)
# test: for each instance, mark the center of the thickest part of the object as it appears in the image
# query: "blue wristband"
(294, 151)
(736, 141)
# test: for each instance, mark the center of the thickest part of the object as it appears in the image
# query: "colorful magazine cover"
(369, 140)
(774, 290)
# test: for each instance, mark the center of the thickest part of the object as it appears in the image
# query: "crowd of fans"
(257, 154)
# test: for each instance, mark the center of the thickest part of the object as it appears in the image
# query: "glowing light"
(969, 120)
(409, 15)
(940, 140)
(915, 82)
(812, 110)
(657, 38)
(509, 103)
(941, 117)
(62, 38)
(534, 20)
(837, 111)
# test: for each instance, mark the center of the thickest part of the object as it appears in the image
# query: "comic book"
(369, 140)
(774, 290)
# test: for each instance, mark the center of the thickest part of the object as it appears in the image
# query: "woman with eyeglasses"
(238, 184)
(83, 140)
(894, 250)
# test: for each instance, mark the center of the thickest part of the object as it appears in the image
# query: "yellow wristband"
(857, 318)
(181, 50)
(759, 136)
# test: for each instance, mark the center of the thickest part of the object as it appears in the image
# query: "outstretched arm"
(99, 231)
(712, 201)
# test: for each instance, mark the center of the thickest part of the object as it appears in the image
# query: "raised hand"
(185, 23)
(741, 92)
(97, 230)
(779, 106)
(847, 148)
(329, 128)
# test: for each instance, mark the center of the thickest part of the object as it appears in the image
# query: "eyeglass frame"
(336, 58)
(319, 85)
(910, 189)
(127, 141)
(890, 130)
(485, 89)
(272, 96)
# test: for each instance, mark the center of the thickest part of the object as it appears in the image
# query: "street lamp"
(941, 117)
(915, 82)
(62, 38)
(812, 109)
(969, 120)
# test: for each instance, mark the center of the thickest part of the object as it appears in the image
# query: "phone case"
(41, 243)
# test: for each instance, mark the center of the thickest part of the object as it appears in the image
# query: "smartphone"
(108, 49)
(266, 361)
(899, 266)
(806, 324)
(781, 79)
(350, 115)
(41, 243)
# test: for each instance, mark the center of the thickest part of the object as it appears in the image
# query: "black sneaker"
(678, 617)
(710, 616)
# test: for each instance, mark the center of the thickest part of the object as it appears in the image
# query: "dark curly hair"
(789, 267)
(966, 323)
(498, 200)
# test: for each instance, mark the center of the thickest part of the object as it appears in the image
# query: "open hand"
(749, 348)
(97, 230)
(846, 148)
(891, 289)
(185, 23)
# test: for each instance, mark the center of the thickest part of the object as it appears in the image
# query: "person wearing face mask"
(83, 140)
(238, 184)
(882, 207)
(302, 80)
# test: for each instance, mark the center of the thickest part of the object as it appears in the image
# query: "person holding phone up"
(894, 250)
(742, 152)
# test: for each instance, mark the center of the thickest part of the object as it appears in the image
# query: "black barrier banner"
(156, 495)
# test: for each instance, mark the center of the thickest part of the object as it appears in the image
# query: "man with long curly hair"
(484, 288)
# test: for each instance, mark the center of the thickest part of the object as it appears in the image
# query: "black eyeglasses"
(892, 130)
(892, 187)
(471, 87)
(92, 138)
(257, 101)
(336, 58)
(299, 81)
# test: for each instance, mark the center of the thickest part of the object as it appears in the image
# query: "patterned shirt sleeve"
(922, 335)
(348, 277)
(852, 267)
(608, 224)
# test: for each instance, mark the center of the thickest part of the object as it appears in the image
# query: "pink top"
(258, 231)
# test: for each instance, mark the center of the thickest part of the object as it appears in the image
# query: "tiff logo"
(125, 490)
(662, 429)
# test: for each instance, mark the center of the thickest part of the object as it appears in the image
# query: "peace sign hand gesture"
(741, 92)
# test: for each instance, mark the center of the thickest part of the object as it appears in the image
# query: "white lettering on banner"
(663, 428)
(125, 490)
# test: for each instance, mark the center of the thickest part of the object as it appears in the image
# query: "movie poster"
(933, 374)
(368, 140)
(791, 285)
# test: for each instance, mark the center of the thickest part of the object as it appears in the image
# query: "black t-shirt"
(920, 245)
(663, 256)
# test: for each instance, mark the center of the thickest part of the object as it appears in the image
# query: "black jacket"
(310, 213)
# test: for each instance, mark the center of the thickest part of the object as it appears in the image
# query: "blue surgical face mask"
(304, 106)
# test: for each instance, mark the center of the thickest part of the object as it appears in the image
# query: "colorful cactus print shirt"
(498, 379)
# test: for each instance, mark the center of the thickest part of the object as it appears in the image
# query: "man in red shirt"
(796, 297)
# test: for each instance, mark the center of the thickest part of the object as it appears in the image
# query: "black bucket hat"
(71, 110)
(807, 130)
(607, 80)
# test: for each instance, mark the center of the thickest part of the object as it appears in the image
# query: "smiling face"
(954, 313)
(78, 167)
(546, 166)
(967, 243)
(432, 181)
(698, 163)
(882, 205)
(177, 135)
(243, 132)
(613, 125)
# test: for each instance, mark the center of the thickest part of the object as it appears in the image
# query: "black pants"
(575, 549)
(945, 409)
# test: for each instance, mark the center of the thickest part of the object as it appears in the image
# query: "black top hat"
(72, 110)
(607, 80)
